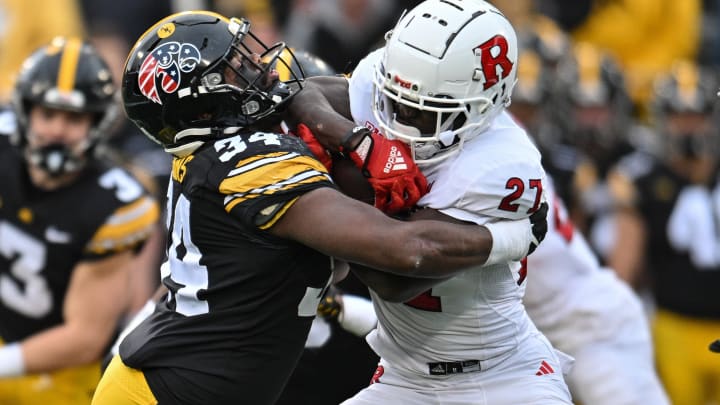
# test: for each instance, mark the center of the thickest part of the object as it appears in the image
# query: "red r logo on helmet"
(493, 52)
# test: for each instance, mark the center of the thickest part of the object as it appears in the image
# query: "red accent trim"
(426, 302)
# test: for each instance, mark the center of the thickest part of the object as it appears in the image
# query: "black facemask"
(56, 159)
(688, 145)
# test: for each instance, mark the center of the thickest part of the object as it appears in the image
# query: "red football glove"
(319, 151)
(396, 179)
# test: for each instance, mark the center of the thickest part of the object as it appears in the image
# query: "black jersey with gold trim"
(241, 300)
(44, 234)
(679, 283)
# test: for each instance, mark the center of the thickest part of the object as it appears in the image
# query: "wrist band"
(348, 143)
(511, 240)
(12, 363)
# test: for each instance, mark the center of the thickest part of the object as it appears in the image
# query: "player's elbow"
(94, 350)
(90, 344)
(85, 353)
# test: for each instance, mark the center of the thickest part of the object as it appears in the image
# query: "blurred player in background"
(594, 112)
(584, 309)
(69, 226)
(668, 206)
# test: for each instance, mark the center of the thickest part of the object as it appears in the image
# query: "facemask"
(425, 150)
(56, 159)
(688, 145)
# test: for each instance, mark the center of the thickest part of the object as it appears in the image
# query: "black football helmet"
(299, 62)
(67, 74)
(593, 103)
(198, 75)
(687, 88)
(684, 110)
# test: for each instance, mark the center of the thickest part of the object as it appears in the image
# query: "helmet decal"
(166, 30)
(185, 76)
(494, 52)
(162, 68)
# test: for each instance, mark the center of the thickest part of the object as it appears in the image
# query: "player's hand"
(330, 305)
(538, 220)
(396, 179)
(320, 153)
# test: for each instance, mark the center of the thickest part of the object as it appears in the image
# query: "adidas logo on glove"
(395, 161)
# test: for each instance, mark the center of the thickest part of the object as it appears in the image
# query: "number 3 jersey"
(241, 300)
(477, 315)
(45, 234)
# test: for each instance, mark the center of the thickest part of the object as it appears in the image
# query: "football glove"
(538, 220)
(319, 151)
(329, 306)
(393, 175)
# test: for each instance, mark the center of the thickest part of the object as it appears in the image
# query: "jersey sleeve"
(126, 228)
(260, 189)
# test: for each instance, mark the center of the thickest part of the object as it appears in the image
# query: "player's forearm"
(438, 249)
(64, 346)
(626, 257)
(444, 249)
(325, 109)
(392, 287)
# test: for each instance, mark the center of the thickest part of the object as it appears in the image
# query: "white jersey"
(477, 315)
(585, 310)
(569, 296)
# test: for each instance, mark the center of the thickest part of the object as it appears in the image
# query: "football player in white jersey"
(441, 85)
(585, 310)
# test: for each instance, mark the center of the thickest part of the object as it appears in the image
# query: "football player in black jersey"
(70, 224)
(253, 219)
(668, 234)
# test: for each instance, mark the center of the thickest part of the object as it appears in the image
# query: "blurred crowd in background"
(620, 96)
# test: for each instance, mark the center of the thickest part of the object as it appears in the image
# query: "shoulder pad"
(261, 184)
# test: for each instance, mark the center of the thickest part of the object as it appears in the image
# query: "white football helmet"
(453, 59)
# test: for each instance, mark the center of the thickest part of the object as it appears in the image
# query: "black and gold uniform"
(45, 234)
(241, 300)
(680, 284)
(683, 263)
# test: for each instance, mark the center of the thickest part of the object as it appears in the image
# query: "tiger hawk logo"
(163, 68)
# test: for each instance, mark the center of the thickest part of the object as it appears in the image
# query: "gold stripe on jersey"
(127, 226)
(268, 174)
